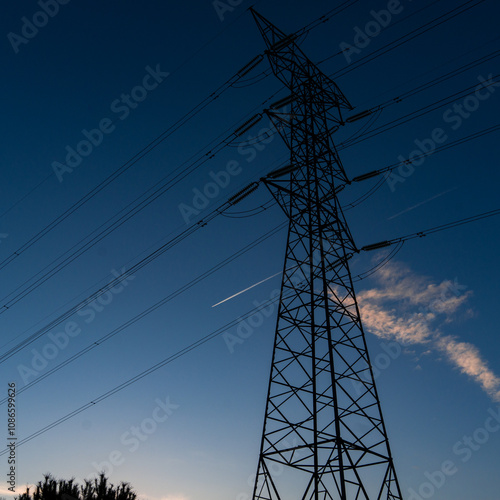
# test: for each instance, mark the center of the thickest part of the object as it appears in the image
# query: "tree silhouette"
(98, 489)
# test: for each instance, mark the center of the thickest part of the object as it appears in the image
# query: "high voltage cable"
(437, 67)
(117, 173)
(392, 24)
(416, 114)
(173, 295)
(425, 232)
(325, 17)
(26, 195)
(126, 264)
(306, 29)
(157, 190)
(227, 326)
(138, 156)
(155, 142)
(423, 155)
(388, 126)
(178, 292)
(230, 215)
(394, 166)
(441, 79)
(144, 373)
(155, 306)
(381, 264)
(407, 37)
(233, 200)
(363, 61)
(139, 376)
(426, 85)
(173, 72)
(152, 256)
(411, 93)
(312, 25)
(180, 353)
(403, 119)
(67, 314)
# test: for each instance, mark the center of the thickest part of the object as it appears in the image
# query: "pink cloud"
(406, 307)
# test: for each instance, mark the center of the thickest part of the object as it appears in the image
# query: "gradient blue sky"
(440, 389)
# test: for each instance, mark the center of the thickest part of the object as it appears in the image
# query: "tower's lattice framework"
(323, 437)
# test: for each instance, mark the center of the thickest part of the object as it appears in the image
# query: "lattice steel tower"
(322, 438)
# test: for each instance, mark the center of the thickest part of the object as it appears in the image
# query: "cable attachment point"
(248, 125)
(281, 44)
(364, 177)
(240, 195)
(359, 116)
(376, 246)
(250, 66)
(281, 171)
(283, 102)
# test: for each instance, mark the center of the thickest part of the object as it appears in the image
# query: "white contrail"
(421, 203)
(245, 290)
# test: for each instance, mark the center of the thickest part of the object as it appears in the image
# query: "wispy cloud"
(408, 308)
(468, 359)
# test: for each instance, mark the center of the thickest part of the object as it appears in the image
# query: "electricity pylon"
(323, 437)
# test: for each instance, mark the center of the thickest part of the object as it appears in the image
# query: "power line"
(173, 72)
(424, 86)
(439, 66)
(138, 377)
(139, 204)
(155, 306)
(160, 138)
(390, 168)
(121, 170)
(233, 200)
(146, 150)
(393, 23)
(416, 114)
(438, 149)
(227, 326)
(451, 14)
(436, 229)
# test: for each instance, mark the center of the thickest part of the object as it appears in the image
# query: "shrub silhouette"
(98, 489)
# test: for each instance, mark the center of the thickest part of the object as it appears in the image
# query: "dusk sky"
(88, 85)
